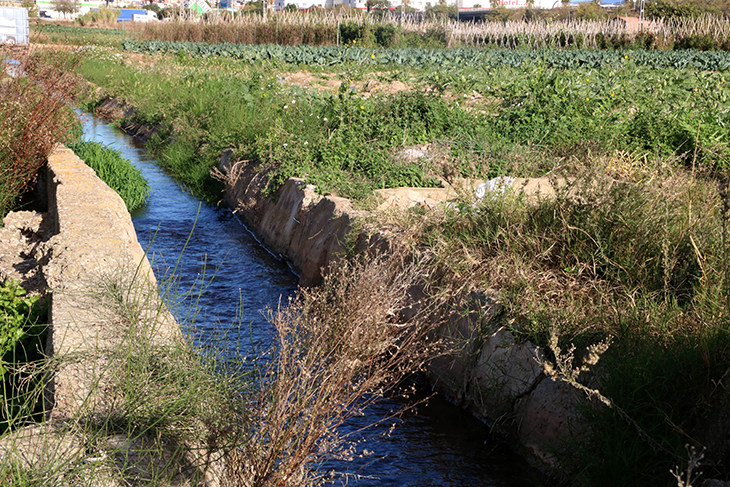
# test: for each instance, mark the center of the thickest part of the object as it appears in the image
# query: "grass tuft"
(116, 171)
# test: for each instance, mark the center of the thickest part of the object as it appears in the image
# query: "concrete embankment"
(103, 297)
(93, 248)
(497, 378)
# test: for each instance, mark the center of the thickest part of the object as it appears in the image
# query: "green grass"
(22, 341)
(345, 142)
(116, 171)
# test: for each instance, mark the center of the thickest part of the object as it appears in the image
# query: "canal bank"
(80, 251)
(435, 443)
(492, 375)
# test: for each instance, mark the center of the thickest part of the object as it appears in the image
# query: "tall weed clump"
(625, 253)
(34, 116)
(338, 349)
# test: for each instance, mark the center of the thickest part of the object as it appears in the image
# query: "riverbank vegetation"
(116, 171)
(631, 250)
(31, 122)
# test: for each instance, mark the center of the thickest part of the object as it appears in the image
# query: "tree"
(32, 8)
(442, 11)
(254, 7)
(589, 11)
(377, 5)
(153, 7)
(290, 7)
(66, 6)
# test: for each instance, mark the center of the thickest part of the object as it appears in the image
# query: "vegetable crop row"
(412, 57)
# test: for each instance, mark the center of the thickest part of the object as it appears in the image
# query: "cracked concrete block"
(505, 371)
(548, 420)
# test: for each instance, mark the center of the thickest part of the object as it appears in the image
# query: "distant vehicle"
(136, 15)
(14, 27)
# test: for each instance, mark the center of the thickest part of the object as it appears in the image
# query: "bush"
(685, 8)
(101, 17)
(353, 33)
(22, 337)
(31, 121)
(385, 35)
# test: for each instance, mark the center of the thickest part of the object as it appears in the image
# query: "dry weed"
(34, 116)
(339, 348)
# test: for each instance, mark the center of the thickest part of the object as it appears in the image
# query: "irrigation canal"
(436, 444)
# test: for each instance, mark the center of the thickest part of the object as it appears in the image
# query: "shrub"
(385, 35)
(31, 121)
(22, 336)
(101, 17)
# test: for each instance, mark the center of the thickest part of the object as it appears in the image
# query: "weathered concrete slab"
(97, 273)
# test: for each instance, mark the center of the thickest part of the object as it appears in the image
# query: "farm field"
(633, 253)
(510, 113)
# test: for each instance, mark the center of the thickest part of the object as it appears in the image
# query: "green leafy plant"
(18, 316)
(22, 333)
(116, 171)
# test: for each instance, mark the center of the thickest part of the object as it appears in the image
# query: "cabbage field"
(442, 58)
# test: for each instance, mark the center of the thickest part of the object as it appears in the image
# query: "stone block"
(505, 371)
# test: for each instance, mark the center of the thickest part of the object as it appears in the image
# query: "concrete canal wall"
(103, 297)
(496, 377)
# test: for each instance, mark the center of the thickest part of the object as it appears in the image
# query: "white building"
(48, 8)
(306, 4)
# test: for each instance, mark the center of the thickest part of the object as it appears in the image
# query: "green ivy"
(19, 318)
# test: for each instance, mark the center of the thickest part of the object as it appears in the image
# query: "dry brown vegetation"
(34, 116)
(339, 348)
(296, 28)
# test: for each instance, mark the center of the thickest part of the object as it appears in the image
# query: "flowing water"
(435, 444)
